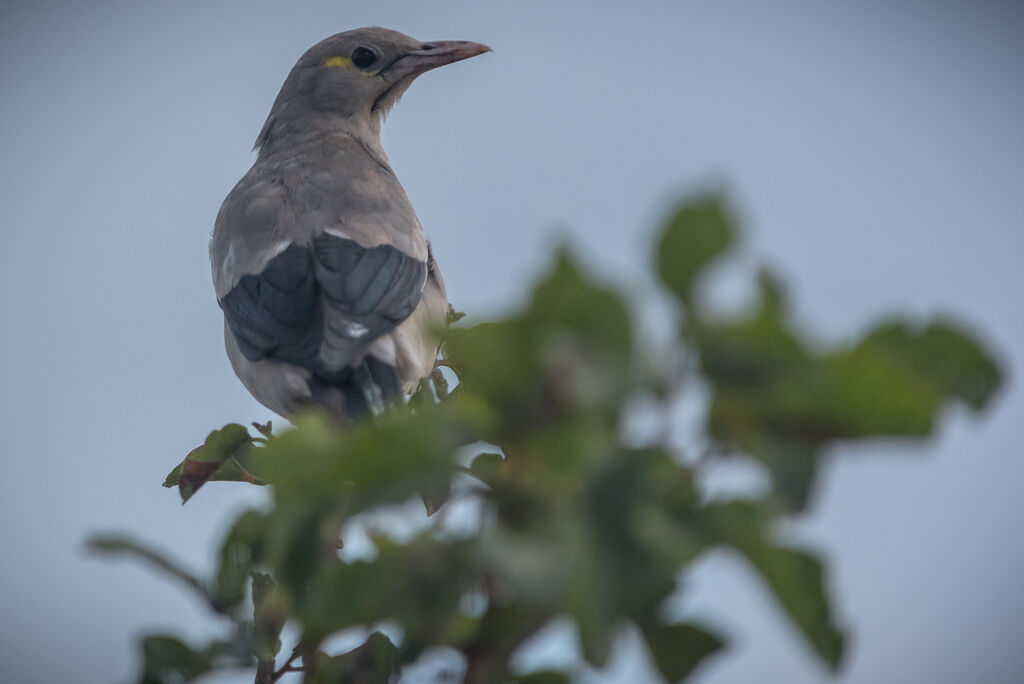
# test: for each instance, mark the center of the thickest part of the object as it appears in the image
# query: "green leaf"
(955, 364)
(419, 584)
(174, 477)
(168, 660)
(587, 591)
(270, 610)
(678, 649)
(665, 525)
(568, 299)
(494, 362)
(795, 577)
(859, 395)
(699, 231)
(750, 353)
(636, 576)
(388, 461)
(567, 354)
(220, 444)
(582, 338)
(777, 400)
(321, 475)
(487, 467)
(223, 456)
(239, 552)
(794, 468)
(372, 663)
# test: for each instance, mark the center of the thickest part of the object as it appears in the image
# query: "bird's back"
(332, 185)
(317, 259)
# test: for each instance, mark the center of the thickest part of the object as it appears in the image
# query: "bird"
(327, 282)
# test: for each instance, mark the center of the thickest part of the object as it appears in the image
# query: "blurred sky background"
(874, 149)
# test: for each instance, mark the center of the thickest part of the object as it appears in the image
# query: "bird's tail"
(367, 389)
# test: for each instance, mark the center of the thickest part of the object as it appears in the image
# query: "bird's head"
(355, 77)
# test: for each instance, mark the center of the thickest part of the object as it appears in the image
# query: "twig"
(117, 545)
(287, 667)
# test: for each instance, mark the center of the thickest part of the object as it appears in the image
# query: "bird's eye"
(363, 57)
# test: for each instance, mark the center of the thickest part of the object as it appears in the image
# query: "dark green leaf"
(487, 467)
(372, 663)
(495, 363)
(419, 584)
(795, 577)
(567, 354)
(636, 577)
(220, 444)
(321, 475)
(270, 610)
(239, 552)
(678, 649)
(794, 467)
(167, 660)
(567, 299)
(750, 353)
(699, 231)
(223, 456)
(400, 456)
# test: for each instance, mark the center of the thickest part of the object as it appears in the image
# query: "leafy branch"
(575, 518)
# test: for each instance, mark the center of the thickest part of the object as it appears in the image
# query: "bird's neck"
(285, 133)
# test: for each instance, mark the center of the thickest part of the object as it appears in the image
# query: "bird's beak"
(432, 55)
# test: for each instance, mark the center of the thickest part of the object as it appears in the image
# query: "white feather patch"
(279, 247)
(356, 330)
(338, 233)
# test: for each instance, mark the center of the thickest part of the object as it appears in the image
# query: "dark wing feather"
(367, 293)
(321, 306)
(272, 313)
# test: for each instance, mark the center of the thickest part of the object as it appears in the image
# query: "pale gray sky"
(875, 150)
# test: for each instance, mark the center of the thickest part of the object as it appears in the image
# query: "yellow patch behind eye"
(343, 62)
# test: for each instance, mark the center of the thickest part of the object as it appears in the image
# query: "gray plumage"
(326, 279)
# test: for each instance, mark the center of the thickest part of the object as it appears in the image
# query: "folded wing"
(320, 306)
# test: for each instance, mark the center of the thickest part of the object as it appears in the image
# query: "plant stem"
(265, 672)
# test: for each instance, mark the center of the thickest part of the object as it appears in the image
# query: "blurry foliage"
(575, 522)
